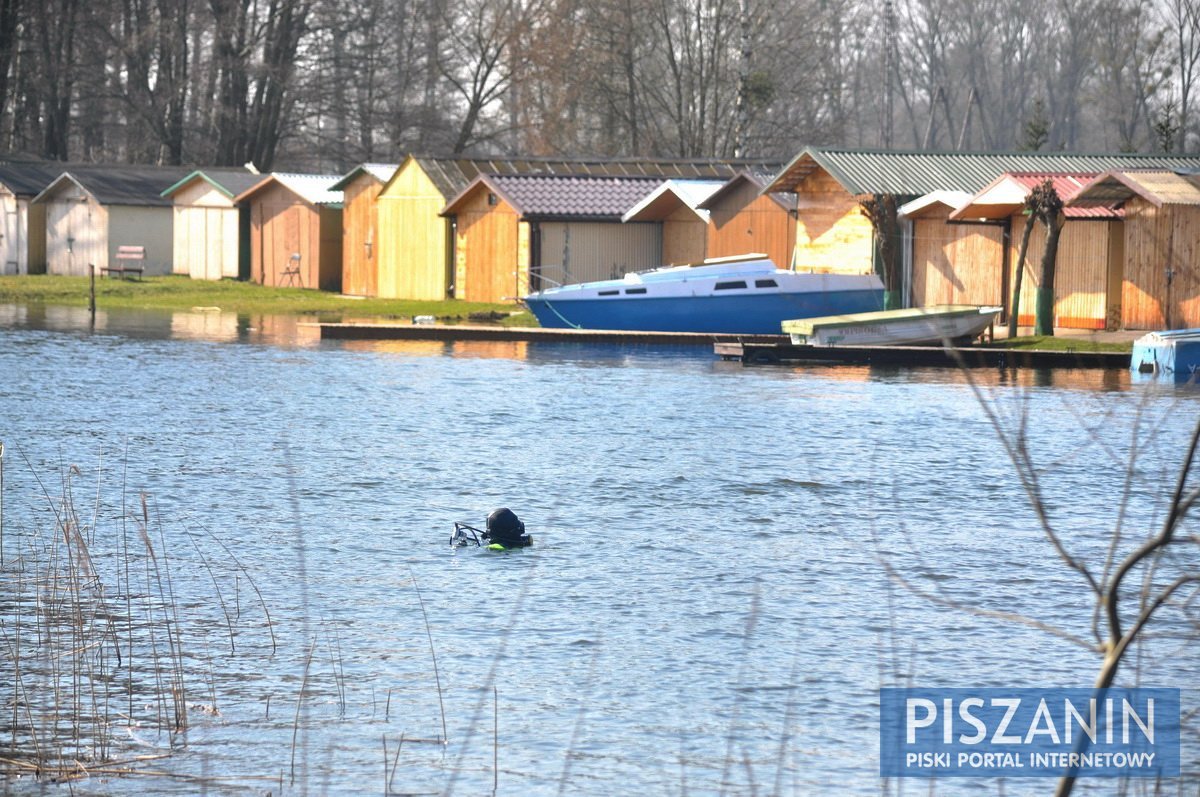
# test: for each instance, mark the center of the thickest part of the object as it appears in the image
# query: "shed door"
(73, 244)
(573, 252)
(10, 235)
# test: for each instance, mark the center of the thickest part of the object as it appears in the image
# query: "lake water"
(705, 609)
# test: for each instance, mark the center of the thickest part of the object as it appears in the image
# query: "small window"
(729, 286)
(635, 290)
(608, 293)
(766, 284)
(492, 200)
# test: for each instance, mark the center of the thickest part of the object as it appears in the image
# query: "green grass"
(183, 293)
(1064, 343)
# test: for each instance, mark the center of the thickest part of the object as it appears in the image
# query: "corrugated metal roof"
(230, 183)
(315, 189)
(669, 196)
(380, 171)
(918, 173)
(1157, 187)
(452, 175)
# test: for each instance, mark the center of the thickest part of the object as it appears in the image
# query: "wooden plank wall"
(684, 238)
(1157, 239)
(413, 238)
(956, 263)
(282, 224)
(1082, 294)
(360, 260)
(745, 222)
(487, 250)
(832, 234)
(13, 250)
(583, 251)
(206, 233)
(76, 233)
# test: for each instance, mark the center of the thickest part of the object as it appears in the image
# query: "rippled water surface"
(704, 611)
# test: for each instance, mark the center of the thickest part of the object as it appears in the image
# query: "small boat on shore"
(915, 325)
(1173, 353)
(743, 295)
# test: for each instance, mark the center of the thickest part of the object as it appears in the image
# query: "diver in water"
(505, 530)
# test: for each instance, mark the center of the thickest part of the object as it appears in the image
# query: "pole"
(92, 294)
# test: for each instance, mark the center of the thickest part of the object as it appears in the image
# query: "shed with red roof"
(1087, 282)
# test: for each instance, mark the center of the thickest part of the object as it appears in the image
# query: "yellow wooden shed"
(833, 235)
(211, 231)
(1159, 243)
(360, 227)
(295, 231)
(417, 258)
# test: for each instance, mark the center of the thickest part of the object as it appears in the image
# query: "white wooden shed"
(91, 212)
(22, 224)
(211, 231)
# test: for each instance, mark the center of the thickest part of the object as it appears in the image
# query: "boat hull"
(749, 297)
(893, 327)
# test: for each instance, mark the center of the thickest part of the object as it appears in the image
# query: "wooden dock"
(749, 349)
(774, 353)
(451, 332)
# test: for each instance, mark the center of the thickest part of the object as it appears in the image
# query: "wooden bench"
(130, 260)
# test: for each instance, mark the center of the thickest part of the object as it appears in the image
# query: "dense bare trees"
(321, 84)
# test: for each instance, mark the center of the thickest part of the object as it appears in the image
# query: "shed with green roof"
(211, 231)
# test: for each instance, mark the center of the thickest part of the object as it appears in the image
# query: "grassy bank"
(1063, 343)
(183, 293)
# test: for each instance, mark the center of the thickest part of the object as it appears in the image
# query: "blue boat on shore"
(745, 295)
(1174, 354)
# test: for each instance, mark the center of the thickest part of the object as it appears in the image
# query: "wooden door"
(11, 240)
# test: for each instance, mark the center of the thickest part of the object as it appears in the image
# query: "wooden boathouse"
(211, 231)
(418, 257)
(942, 258)
(1158, 244)
(295, 231)
(360, 226)
(92, 211)
(1087, 283)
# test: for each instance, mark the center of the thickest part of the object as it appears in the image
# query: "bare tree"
(881, 209)
(1046, 206)
(1181, 18)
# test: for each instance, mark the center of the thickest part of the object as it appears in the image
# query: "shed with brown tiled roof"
(417, 258)
(515, 232)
